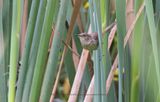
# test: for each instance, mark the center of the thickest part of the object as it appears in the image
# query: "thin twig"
(55, 85)
(75, 58)
(111, 74)
(70, 49)
(79, 20)
(108, 28)
(133, 24)
(111, 36)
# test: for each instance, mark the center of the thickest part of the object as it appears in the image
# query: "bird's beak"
(80, 35)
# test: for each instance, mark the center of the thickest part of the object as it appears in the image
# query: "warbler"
(89, 41)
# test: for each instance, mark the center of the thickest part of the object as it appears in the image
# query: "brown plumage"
(89, 41)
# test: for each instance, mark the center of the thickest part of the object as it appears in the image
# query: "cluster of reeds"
(38, 41)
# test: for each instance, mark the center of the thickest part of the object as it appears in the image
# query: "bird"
(89, 41)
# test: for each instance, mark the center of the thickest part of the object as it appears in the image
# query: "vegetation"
(42, 60)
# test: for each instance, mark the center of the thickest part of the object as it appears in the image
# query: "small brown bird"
(89, 41)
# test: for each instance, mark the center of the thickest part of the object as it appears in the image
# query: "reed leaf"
(55, 54)
(3, 80)
(14, 52)
(121, 30)
(43, 51)
(25, 55)
(33, 52)
(152, 28)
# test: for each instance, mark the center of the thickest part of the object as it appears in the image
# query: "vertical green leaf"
(16, 23)
(55, 53)
(152, 28)
(7, 20)
(33, 53)
(3, 80)
(43, 51)
(135, 54)
(25, 56)
(104, 7)
(6, 14)
(98, 27)
(121, 30)
(97, 82)
(99, 70)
